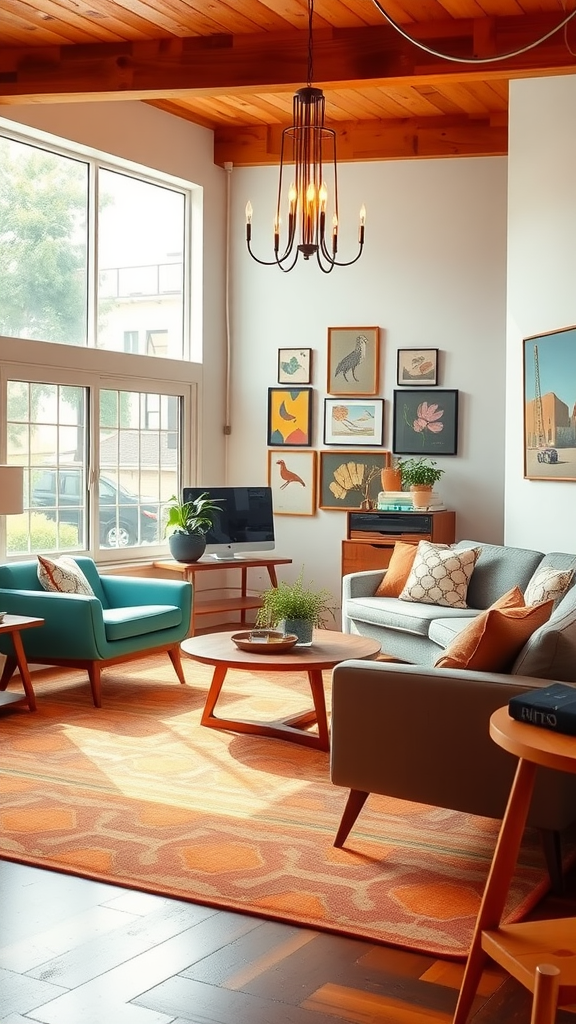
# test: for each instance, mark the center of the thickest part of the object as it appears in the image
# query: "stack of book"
(402, 501)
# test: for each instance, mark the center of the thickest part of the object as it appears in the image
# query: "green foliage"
(293, 601)
(191, 516)
(419, 472)
(40, 536)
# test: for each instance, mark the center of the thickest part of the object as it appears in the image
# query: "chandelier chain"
(310, 44)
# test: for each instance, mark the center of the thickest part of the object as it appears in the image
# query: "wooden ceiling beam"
(374, 140)
(172, 68)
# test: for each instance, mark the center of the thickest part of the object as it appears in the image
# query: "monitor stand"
(232, 557)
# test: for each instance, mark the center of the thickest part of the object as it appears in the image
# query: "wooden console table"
(13, 624)
(541, 955)
(242, 601)
(371, 535)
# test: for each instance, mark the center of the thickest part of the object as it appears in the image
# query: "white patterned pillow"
(63, 575)
(548, 584)
(440, 575)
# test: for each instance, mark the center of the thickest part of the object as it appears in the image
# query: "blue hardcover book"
(552, 707)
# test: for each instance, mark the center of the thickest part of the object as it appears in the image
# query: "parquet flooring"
(80, 952)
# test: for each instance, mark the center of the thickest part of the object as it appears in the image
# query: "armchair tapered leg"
(354, 804)
(8, 671)
(176, 659)
(95, 683)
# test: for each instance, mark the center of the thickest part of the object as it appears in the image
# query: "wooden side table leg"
(213, 693)
(498, 883)
(546, 984)
(317, 687)
(272, 575)
(24, 672)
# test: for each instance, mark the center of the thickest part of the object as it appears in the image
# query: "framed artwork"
(353, 421)
(294, 365)
(350, 479)
(425, 422)
(293, 477)
(290, 417)
(549, 389)
(353, 360)
(417, 366)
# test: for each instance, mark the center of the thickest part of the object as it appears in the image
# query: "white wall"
(433, 274)
(541, 289)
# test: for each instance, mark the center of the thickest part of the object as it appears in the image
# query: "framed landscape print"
(349, 479)
(425, 422)
(292, 477)
(549, 401)
(290, 417)
(353, 360)
(417, 366)
(294, 365)
(353, 421)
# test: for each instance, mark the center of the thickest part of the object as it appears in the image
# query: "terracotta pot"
(391, 479)
(421, 495)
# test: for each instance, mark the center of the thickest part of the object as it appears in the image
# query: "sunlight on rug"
(139, 794)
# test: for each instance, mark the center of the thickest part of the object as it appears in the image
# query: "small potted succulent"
(419, 476)
(294, 607)
(187, 523)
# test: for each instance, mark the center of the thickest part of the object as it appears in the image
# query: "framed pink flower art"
(425, 422)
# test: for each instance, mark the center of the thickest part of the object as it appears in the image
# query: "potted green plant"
(187, 523)
(419, 476)
(295, 607)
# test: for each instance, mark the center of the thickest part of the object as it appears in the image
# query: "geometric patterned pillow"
(548, 584)
(440, 575)
(63, 575)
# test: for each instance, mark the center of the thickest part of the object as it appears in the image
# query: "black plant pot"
(187, 547)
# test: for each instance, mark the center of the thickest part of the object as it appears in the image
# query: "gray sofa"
(418, 633)
(420, 733)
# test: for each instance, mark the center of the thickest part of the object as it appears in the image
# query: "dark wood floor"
(79, 952)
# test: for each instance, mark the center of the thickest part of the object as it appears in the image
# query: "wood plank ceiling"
(233, 66)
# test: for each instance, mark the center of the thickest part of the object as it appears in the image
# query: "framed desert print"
(353, 421)
(290, 417)
(417, 366)
(350, 479)
(425, 422)
(549, 390)
(292, 476)
(294, 365)
(353, 360)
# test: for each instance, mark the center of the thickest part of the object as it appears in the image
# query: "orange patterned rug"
(139, 794)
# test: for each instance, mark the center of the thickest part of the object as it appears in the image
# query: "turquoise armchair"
(128, 618)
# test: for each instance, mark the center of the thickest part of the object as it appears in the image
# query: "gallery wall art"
(350, 479)
(353, 360)
(292, 477)
(290, 417)
(550, 405)
(353, 421)
(425, 422)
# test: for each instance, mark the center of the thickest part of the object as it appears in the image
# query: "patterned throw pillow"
(63, 575)
(548, 584)
(440, 575)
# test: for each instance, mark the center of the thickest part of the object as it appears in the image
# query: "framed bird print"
(353, 360)
(294, 365)
(292, 477)
(353, 421)
(290, 417)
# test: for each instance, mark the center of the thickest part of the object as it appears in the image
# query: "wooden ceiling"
(233, 66)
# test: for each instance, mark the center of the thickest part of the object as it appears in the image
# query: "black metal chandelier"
(311, 147)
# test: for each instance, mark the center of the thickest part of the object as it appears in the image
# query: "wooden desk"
(521, 948)
(242, 601)
(14, 624)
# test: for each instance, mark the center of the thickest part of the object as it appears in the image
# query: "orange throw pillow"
(492, 641)
(398, 570)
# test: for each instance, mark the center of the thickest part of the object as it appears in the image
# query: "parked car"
(547, 455)
(125, 519)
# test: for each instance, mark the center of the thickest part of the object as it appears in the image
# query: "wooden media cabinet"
(371, 535)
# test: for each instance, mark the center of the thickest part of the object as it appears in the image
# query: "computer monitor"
(245, 523)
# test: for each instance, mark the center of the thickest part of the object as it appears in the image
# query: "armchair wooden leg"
(176, 659)
(8, 671)
(95, 683)
(354, 804)
(551, 843)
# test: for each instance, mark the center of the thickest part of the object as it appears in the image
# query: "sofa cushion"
(405, 616)
(398, 570)
(122, 623)
(550, 653)
(548, 584)
(440, 575)
(491, 642)
(444, 630)
(63, 575)
(498, 569)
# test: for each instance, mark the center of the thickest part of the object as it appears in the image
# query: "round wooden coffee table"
(327, 650)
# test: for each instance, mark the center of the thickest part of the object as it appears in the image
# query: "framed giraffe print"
(353, 361)
(292, 475)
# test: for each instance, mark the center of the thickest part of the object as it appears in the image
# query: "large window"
(90, 255)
